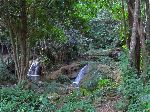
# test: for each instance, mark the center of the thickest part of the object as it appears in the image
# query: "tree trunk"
(137, 54)
(144, 53)
(11, 28)
(18, 37)
(134, 35)
(144, 32)
(147, 14)
(23, 39)
(130, 4)
(124, 20)
(12, 37)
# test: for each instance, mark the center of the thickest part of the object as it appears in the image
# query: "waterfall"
(80, 76)
(33, 70)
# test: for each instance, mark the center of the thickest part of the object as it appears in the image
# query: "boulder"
(70, 70)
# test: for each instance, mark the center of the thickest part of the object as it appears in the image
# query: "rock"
(99, 71)
(54, 75)
(92, 76)
(117, 75)
(70, 70)
(106, 70)
(113, 73)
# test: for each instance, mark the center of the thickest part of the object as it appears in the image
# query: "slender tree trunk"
(124, 22)
(147, 14)
(23, 39)
(1, 54)
(134, 35)
(11, 29)
(144, 52)
(138, 46)
(130, 4)
(137, 54)
(12, 37)
(144, 35)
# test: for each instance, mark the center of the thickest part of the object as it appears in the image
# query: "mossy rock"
(90, 79)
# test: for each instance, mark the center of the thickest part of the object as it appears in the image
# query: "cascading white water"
(33, 70)
(80, 76)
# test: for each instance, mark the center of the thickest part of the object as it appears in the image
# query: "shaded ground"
(106, 107)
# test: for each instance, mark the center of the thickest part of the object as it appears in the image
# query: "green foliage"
(15, 99)
(116, 10)
(118, 14)
(104, 30)
(75, 101)
(148, 52)
(63, 79)
(135, 93)
(81, 105)
(40, 25)
(99, 87)
(86, 9)
(5, 74)
(104, 82)
(55, 87)
(85, 91)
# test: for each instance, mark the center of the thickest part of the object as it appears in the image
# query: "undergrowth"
(6, 75)
(18, 99)
(135, 94)
(54, 96)
(21, 99)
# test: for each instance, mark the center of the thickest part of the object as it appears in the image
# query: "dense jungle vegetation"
(58, 39)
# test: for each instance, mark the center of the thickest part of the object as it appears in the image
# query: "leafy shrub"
(55, 87)
(6, 75)
(82, 105)
(104, 30)
(75, 101)
(18, 100)
(63, 79)
(134, 92)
